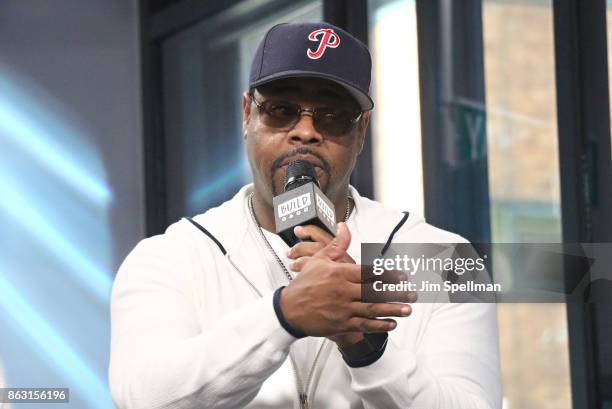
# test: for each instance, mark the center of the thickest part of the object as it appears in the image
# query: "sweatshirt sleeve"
(455, 365)
(161, 358)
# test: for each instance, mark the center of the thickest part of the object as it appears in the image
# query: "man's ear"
(362, 128)
(246, 113)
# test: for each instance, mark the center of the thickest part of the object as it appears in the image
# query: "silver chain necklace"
(347, 213)
(302, 390)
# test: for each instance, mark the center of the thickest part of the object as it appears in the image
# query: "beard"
(277, 175)
(277, 181)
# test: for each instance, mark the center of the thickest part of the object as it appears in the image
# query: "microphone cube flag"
(300, 206)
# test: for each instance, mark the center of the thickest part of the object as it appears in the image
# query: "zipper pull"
(303, 401)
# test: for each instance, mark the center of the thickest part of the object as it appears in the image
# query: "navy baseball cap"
(314, 50)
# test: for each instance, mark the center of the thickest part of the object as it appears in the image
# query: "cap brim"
(362, 98)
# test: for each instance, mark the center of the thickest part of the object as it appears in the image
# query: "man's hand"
(325, 299)
(317, 240)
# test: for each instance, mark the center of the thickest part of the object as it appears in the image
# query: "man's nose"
(304, 131)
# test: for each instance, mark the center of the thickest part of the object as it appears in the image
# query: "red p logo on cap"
(326, 37)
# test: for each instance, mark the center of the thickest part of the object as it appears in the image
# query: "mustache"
(300, 151)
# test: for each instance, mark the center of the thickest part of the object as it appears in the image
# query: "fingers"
(337, 247)
(303, 249)
(310, 248)
(367, 325)
(349, 271)
(299, 263)
(389, 277)
(375, 310)
(321, 243)
(312, 233)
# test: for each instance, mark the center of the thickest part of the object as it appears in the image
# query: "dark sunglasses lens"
(280, 114)
(334, 122)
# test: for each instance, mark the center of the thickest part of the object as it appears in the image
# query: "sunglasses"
(284, 115)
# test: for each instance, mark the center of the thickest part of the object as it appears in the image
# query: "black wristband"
(366, 351)
(281, 318)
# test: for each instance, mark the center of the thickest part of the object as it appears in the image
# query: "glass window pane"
(205, 72)
(396, 121)
(609, 28)
(605, 364)
(524, 190)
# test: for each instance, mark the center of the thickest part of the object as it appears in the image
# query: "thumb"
(337, 247)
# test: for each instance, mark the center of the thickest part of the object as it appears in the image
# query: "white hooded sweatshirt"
(194, 328)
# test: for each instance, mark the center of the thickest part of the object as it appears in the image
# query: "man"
(219, 313)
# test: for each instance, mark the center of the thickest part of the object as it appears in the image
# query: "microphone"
(302, 203)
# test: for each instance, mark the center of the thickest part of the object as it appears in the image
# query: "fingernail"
(392, 325)
(288, 253)
(297, 229)
(405, 310)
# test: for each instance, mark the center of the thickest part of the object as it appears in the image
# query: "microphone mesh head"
(298, 173)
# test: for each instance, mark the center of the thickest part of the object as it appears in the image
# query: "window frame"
(583, 122)
(581, 61)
